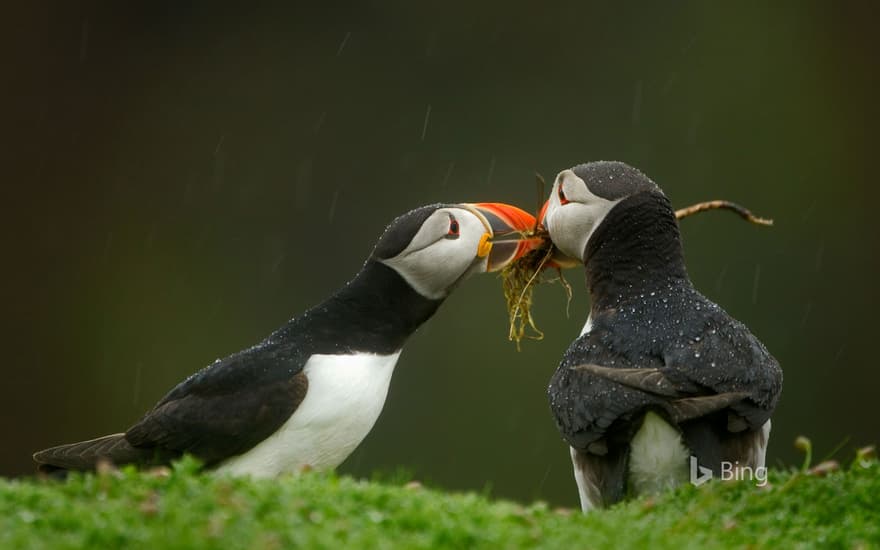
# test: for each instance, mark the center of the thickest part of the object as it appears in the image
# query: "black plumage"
(655, 344)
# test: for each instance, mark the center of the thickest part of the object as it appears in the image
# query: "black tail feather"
(85, 455)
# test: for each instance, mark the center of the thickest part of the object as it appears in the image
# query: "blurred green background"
(183, 178)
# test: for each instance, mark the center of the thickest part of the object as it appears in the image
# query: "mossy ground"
(186, 509)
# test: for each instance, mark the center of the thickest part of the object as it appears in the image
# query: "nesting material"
(744, 213)
(519, 279)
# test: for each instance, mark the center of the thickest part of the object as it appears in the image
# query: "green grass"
(189, 510)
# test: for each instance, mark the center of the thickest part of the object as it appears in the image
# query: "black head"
(612, 180)
(584, 195)
(401, 231)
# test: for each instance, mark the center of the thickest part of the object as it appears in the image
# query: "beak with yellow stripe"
(508, 233)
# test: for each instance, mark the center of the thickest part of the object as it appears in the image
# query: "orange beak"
(508, 233)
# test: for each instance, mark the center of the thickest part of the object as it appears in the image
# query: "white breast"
(658, 458)
(588, 326)
(344, 398)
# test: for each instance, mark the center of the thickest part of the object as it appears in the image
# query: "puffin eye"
(453, 228)
(561, 193)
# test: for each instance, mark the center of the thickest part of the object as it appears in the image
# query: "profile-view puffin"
(309, 393)
(659, 374)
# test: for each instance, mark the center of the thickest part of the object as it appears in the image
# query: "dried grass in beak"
(518, 280)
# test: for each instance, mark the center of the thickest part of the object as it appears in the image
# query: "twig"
(744, 213)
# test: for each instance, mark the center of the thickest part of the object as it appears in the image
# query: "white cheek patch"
(428, 270)
(434, 268)
(572, 224)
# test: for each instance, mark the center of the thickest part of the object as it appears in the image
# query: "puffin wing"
(226, 408)
(590, 397)
(681, 405)
(650, 380)
(728, 359)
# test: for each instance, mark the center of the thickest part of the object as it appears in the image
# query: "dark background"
(181, 179)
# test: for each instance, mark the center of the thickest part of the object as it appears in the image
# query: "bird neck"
(374, 313)
(636, 248)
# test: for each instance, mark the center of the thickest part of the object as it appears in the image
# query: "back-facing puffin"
(659, 373)
(308, 394)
